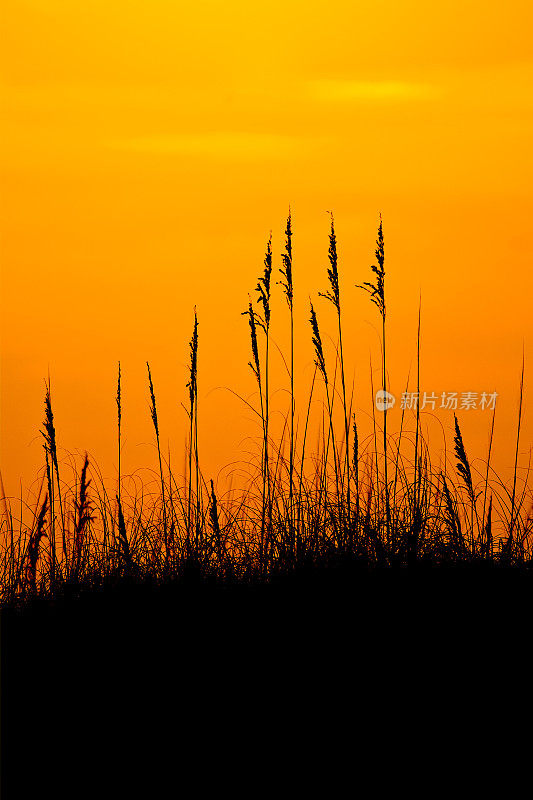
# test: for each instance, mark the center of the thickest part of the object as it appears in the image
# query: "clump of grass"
(255, 533)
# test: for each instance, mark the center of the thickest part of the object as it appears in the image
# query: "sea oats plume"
(287, 263)
(333, 293)
(377, 290)
(320, 360)
(463, 466)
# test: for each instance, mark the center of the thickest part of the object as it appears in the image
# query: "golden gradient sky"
(149, 147)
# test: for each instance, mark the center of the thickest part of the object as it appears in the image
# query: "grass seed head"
(463, 467)
(320, 360)
(333, 293)
(263, 285)
(377, 290)
(287, 263)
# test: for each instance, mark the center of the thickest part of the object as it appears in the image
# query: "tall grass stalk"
(192, 386)
(124, 545)
(287, 285)
(215, 525)
(374, 427)
(486, 523)
(320, 362)
(83, 516)
(416, 492)
(34, 547)
(463, 468)
(264, 288)
(50, 447)
(153, 414)
(377, 296)
(255, 366)
(333, 295)
(355, 463)
(298, 548)
(119, 425)
(509, 544)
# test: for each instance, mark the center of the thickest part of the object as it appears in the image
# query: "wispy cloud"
(363, 91)
(225, 144)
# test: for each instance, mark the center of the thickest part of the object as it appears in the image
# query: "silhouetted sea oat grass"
(304, 507)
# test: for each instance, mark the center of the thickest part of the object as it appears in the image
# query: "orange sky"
(149, 147)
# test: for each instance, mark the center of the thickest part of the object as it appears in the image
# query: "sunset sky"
(149, 147)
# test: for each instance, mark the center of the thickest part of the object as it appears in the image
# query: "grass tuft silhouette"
(298, 510)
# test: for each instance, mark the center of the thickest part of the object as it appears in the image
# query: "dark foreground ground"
(207, 681)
